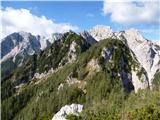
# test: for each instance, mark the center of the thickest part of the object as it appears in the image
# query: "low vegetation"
(104, 97)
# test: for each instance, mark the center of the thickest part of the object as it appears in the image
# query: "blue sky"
(84, 15)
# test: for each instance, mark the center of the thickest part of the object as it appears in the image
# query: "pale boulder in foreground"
(73, 109)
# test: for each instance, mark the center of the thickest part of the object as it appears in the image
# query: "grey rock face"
(19, 43)
(147, 52)
(86, 35)
(73, 109)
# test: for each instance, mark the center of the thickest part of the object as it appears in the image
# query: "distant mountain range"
(16, 47)
(74, 68)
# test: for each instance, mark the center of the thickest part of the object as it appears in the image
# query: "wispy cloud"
(131, 12)
(14, 20)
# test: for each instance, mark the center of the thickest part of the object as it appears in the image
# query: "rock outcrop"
(101, 32)
(73, 109)
(147, 52)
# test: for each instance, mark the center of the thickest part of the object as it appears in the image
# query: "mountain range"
(18, 46)
(42, 74)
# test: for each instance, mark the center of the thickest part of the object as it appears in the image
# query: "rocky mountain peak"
(156, 43)
(22, 43)
(86, 35)
(144, 50)
(134, 35)
(147, 52)
(23, 33)
(17, 42)
(100, 32)
(57, 36)
(47, 41)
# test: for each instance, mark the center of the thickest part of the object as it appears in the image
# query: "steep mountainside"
(16, 43)
(47, 41)
(17, 46)
(15, 49)
(71, 71)
(146, 52)
(101, 32)
(95, 75)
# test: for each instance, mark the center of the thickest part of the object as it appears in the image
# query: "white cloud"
(14, 20)
(131, 12)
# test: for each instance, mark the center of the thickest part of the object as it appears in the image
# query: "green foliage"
(156, 80)
(146, 113)
(51, 57)
(139, 74)
(103, 96)
(14, 104)
(143, 105)
(48, 91)
(7, 67)
(106, 109)
(73, 117)
(99, 87)
(7, 88)
(46, 117)
(71, 95)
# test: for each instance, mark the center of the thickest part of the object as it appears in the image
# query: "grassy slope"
(104, 99)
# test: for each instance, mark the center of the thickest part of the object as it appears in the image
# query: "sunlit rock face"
(88, 37)
(18, 46)
(147, 52)
(21, 43)
(101, 32)
(24, 43)
(73, 109)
